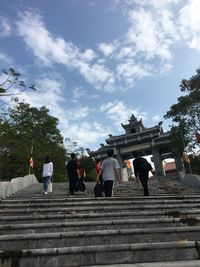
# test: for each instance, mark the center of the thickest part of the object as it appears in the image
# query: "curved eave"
(151, 132)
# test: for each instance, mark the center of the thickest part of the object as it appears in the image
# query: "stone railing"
(16, 184)
(192, 180)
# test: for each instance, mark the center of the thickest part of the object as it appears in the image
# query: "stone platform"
(127, 230)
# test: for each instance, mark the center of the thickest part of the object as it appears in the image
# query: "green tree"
(185, 114)
(72, 147)
(88, 164)
(11, 86)
(27, 126)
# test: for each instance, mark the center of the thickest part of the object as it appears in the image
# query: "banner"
(31, 162)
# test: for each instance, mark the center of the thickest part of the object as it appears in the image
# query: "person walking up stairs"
(125, 230)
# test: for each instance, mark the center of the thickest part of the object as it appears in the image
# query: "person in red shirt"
(98, 170)
(98, 166)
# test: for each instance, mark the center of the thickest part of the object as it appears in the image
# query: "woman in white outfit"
(47, 173)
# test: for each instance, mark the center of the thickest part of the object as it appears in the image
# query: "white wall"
(16, 184)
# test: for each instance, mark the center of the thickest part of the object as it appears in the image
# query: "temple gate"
(147, 141)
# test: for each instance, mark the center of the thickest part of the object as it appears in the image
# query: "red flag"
(31, 162)
(197, 135)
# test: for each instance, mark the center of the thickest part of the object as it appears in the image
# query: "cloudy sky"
(96, 62)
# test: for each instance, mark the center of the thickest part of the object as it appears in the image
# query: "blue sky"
(95, 62)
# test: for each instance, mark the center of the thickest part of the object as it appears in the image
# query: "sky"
(97, 62)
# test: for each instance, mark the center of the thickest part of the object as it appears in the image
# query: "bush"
(91, 176)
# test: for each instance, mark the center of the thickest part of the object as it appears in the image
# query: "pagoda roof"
(133, 121)
(150, 130)
(102, 149)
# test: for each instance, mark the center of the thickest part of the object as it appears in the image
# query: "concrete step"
(58, 231)
(187, 263)
(101, 255)
(105, 210)
(97, 207)
(157, 186)
(51, 227)
(4, 204)
(98, 237)
(61, 199)
(92, 215)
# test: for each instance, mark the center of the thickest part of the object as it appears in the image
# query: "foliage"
(91, 176)
(88, 164)
(72, 147)
(179, 139)
(185, 114)
(11, 79)
(9, 87)
(27, 126)
(195, 163)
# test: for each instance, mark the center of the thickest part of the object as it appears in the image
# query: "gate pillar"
(178, 162)
(159, 171)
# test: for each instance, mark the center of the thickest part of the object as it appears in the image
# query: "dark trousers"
(108, 188)
(101, 183)
(144, 181)
(72, 183)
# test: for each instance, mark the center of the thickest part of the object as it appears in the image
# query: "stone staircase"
(56, 230)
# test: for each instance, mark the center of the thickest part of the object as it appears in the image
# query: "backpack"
(144, 165)
(98, 190)
(79, 186)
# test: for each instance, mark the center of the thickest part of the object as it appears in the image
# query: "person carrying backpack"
(73, 171)
(141, 169)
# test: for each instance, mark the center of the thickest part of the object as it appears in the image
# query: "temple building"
(146, 141)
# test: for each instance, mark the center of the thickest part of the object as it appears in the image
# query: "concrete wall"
(192, 180)
(16, 184)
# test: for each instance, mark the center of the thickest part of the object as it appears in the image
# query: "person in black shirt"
(73, 172)
(141, 169)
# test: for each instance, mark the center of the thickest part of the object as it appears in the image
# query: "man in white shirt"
(109, 170)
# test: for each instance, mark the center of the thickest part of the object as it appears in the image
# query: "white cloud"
(147, 35)
(189, 23)
(50, 49)
(5, 27)
(77, 113)
(5, 60)
(125, 52)
(165, 69)
(86, 133)
(88, 55)
(130, 70)
(157, 4)
(107, 49)
(156, 118)
(119, 113)
(78, 93)
(49, 94)
(44, 45)
(97, 74)
(145, 49)
(73, 122)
